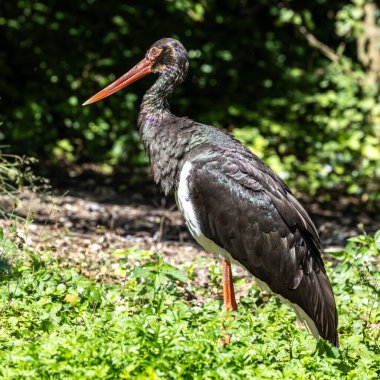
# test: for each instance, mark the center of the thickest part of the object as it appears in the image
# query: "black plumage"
(236, 201)
(247, 210)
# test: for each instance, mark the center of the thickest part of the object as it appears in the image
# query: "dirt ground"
(83, 228)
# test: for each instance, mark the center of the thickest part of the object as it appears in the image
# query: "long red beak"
(143, 68)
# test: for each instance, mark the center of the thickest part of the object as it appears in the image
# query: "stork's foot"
(229, 300)
(227, 337)
(225, 340)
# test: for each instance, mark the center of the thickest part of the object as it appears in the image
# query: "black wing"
(246, 209)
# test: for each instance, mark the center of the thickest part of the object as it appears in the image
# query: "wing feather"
(250, 212)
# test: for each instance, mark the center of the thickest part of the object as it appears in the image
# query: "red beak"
(143, 68)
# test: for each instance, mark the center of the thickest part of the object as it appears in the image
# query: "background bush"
(314, 119)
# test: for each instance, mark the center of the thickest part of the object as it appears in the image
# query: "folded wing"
(246, 209)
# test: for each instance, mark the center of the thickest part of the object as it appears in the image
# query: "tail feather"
(328, 317)
(319, 305)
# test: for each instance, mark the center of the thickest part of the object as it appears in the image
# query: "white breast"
(186, 206)
(184, 201)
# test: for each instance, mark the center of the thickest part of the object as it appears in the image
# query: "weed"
(58, 324)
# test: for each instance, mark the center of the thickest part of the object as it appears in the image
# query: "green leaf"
(119, 252)
(377, 239)
(72, 299)
(142, 272)
(174, 273)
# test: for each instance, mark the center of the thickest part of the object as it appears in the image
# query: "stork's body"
(234, 205)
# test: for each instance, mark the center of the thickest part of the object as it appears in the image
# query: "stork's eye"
(154, 52)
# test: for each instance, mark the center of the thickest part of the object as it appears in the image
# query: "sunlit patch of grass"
(56, 323)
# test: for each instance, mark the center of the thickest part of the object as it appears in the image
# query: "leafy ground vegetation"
(57, 323)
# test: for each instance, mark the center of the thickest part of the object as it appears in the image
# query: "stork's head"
(167, 54)
(165, 57)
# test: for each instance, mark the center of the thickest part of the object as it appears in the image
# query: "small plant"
(56, 323)
(15, 174)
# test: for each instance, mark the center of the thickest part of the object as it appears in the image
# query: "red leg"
(229, 300)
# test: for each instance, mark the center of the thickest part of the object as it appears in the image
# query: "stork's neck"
(155, 102)
(164, 142)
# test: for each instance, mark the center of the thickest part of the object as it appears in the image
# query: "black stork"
(234, 205)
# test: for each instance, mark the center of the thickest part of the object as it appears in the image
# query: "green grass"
(57, 324)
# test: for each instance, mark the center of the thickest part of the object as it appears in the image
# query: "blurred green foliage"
(315, 121)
